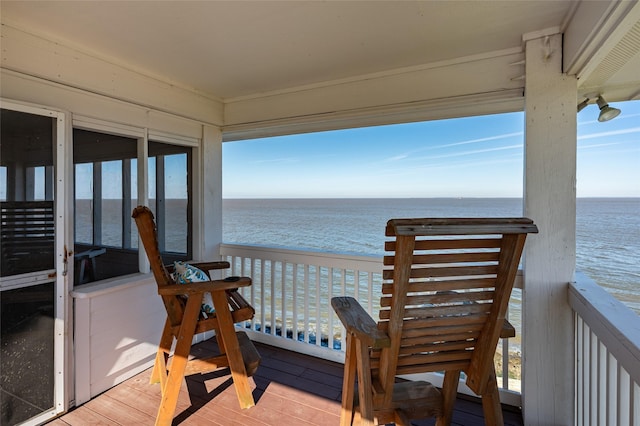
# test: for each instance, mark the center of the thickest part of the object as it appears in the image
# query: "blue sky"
(464, 157)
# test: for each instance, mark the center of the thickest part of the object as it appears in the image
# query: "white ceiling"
(232, 50)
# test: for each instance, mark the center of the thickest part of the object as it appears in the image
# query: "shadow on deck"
(289, 389)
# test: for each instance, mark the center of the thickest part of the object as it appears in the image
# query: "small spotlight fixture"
(606, 112)
(582, 105)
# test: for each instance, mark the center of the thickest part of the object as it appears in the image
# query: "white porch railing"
(607, 357)
(291, 293)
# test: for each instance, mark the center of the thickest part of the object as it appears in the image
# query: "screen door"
(32, 297)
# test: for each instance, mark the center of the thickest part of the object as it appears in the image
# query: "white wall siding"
(91, 108)
(36, 56)
(117, 330)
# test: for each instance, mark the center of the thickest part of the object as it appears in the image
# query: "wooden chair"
(184, 320)
(446, 288)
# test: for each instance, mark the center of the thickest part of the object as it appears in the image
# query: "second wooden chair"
(445, 293)
(185, 319)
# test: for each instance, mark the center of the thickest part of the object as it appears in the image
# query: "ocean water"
(608, 229)
(608, 245)
(111, 229)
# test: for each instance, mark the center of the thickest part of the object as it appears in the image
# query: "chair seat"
(250, 357)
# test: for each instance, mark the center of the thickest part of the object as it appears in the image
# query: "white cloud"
(610, 133)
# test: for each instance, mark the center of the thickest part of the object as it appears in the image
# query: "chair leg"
(159, 372)
(491, 403)
(449, 393)
(220, 342)
(171, 389)
(364, 383)
(348, 382)
(232, 349)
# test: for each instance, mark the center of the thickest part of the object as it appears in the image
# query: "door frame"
(62, 153)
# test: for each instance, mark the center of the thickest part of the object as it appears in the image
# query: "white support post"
(211, 187)
(97, 204)
(549, 264)
(143, 191)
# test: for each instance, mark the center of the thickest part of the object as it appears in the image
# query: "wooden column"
(550, 200)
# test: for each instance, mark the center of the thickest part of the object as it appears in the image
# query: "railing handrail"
(615, 324)
(306, 256)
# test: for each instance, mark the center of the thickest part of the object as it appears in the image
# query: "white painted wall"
(210, 180)
(38, 57)
(117, 328)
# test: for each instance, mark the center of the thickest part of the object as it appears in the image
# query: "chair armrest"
(209, 266)
(507, 330)
(204, 266)
(358, 322)
(203, 287)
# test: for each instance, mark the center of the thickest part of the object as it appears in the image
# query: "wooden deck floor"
(289, 388)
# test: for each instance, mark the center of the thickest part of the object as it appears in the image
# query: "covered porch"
(197, 75)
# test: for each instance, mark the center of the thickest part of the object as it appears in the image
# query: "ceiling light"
(606, 112)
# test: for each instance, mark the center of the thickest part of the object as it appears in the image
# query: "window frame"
(143, 137)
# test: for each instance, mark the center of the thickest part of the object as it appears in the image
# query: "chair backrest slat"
(149, 236)
(446, 288)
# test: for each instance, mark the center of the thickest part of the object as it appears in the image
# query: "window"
(26, 191)
(3, 183)
(106, 191)
(169, 175)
